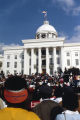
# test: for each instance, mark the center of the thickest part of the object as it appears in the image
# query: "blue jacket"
(68, 115)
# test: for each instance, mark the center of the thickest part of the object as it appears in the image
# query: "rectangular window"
(8, 64)
(22, 56)
(50, 52)
(76, 53)
(8, 57)
(36, 52)
(30, 61)
(22, 72)
(58, 60)
(58, 69)
(51, 71)
(15, 64)
(67, 54)
(51, 61)
(43, 52)
(15, 72)
(68, 62)
(15, 57)
(7, 72)
(57, 52)
(37, 62)
(77, 61)
(43, 62)
(29, 71)
(29, 53)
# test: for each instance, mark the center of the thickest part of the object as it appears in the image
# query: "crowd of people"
(39, 97)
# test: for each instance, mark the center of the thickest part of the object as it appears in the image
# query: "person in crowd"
(15, 95)
(45, 91)
(58, 94)
(70, 105)
(43, 109)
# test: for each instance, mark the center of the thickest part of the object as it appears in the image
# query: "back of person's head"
(70, 100)
(15, 92)
(58, 92)
(45, 91)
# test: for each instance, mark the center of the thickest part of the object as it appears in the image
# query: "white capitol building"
(46, 53)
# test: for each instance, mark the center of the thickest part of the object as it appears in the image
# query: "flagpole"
(45, 15)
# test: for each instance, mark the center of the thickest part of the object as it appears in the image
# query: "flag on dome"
(44, 12)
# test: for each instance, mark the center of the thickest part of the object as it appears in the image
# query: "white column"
(39, 61)
(32, 60)
(40, 36)
(54, 59)
(61, 61)
(26, 65)
(47, 60)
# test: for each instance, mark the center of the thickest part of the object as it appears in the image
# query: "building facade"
(46, 53)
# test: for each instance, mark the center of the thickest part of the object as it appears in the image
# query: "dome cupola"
(46, 31)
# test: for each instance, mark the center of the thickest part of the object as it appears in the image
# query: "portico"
(42, 62)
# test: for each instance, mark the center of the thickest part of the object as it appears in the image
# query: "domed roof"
(46, 28)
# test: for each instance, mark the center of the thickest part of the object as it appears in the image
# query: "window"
(29, 71)
(29, 53)
(22, 72)
(51, 71)
(37, 70)
(15, 72)
(8, 57)
(68, 62)
(43, 35)
(77, 61)
(76, 53)
(67, 54)
(15, 64)
(43, 62)
(15, 57)
(8, 64)
(38, 36)
(36, 61)
(51, 61)
(50, 52)
(58, 69)
(30, 61)
(7, 72)
(36, 52)
(58, 60)
(22, 56)
(43, 52)
(57, 51)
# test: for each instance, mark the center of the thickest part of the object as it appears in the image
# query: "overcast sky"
(19, 19)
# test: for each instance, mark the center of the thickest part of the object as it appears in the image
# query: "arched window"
(38, 36)
(43, 35)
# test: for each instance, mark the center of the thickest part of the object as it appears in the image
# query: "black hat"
(45, 91)
(15, 83)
